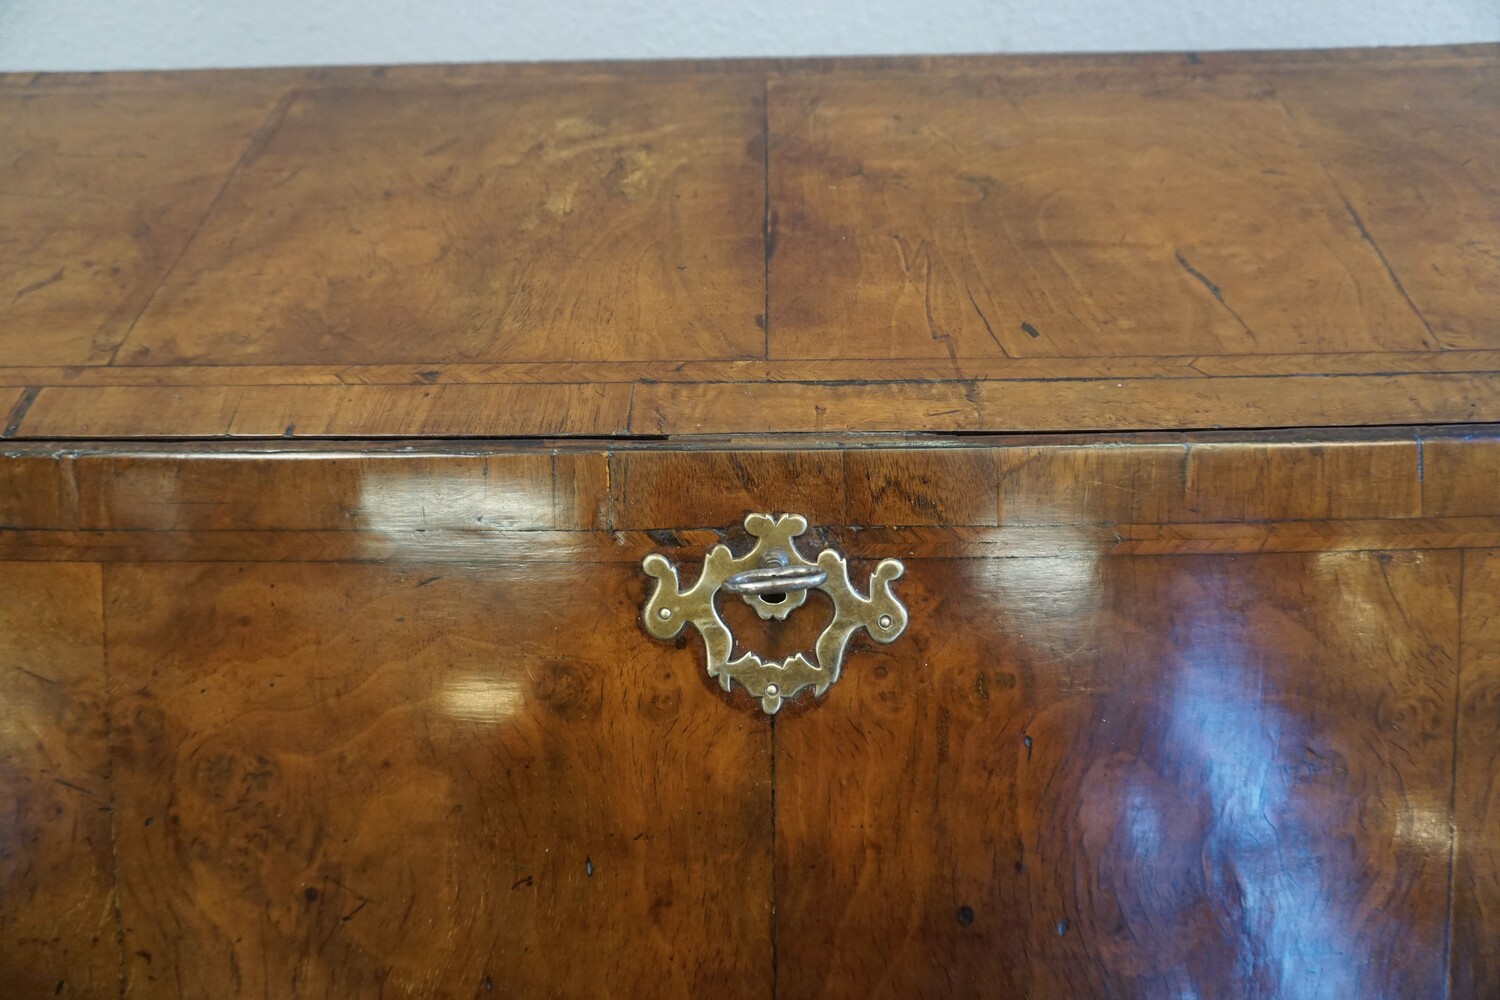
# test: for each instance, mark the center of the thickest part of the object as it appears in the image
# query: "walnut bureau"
(374, 441)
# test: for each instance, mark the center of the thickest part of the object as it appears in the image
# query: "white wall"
(116, 34)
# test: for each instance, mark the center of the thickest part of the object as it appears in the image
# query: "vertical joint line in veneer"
(556, 521)
(609, 490)
(109, 780)
(252, 148)
(18, 411)
(768, 246)
(775, 962)
(1422, 491)
(1458, 682)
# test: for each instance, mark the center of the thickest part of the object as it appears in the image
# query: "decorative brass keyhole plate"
(773, 566)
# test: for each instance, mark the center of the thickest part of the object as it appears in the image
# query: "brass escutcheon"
(773, 568)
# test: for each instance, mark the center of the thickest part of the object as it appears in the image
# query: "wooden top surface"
(982, 244)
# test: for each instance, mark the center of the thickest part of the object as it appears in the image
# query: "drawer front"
(1170, 717)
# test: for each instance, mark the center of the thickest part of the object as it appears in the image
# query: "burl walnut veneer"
(342, 408)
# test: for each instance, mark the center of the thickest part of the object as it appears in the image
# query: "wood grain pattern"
(1209, 481)
(667, 489)
(491, 488)
(926, 245)
(1461, 475)
(524, 491)
(13, 405)
(1130, 777)
(99, 195)
(57, 907)
(921, 486)
(1410, 153)
(1095, 405)
(1474, 956)
(759, 370)
(521, 548)
(323, 411)
(1168, 482)
(402, 781)
(320, 656)
(38, 491)
(655, 409)
(532, 221)
(1290, 482)
(984, 215)
(343, 709)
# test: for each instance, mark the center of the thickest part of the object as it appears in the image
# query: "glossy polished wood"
(1239, 480)
(719, 247)
(58, 921)
(1174, 714)
(409, 781)
(1137, 777)
(1193, 479)
(1474, 951)
(451, 502)
(356, 702)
